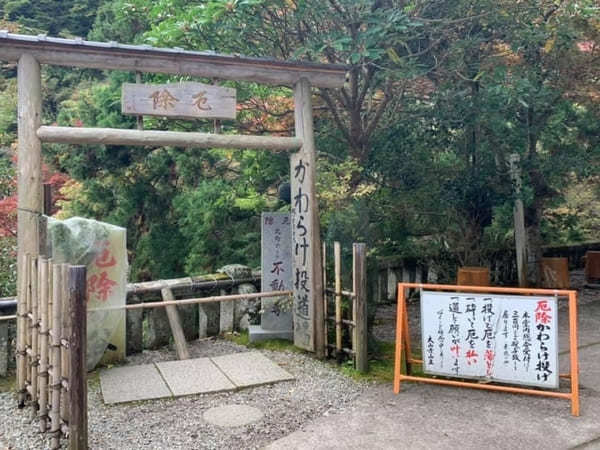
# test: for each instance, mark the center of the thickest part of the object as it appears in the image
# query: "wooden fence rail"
(51, 348)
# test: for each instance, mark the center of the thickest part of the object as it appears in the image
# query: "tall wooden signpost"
(306, 243)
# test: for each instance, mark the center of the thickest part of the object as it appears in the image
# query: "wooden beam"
(114, 136)
(29, 173)
(309, 320)
(114, 56)
(175, 323)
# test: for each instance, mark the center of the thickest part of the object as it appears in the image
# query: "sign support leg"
(399, 338)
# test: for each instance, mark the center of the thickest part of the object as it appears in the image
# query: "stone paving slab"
(194, 376)
(132, 383)
(251, 369)
(190, 376)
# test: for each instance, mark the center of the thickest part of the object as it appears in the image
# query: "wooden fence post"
(359, 310)
(78, 438)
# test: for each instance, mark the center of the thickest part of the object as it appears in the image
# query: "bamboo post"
(22, 324)
(35, 337)
(28, 316)
(337, 261)
(77, 359)
(33, 332)
(64, 340)
(359, 307)
(56, 350)
(29, 189)
(325, 306)
(45, 283)
(175, 323)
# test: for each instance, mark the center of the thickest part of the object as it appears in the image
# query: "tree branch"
(336, 117)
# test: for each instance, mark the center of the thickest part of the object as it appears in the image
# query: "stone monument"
(276, 320)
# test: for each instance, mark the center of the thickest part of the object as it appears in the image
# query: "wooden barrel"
(554, 273)
(473, 276)
(592, 266)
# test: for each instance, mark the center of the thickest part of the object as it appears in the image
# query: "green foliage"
(64, 18)
(220, 225)
(8, 266)
(413, 150)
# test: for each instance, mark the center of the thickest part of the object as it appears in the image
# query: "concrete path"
(191, 376)
(440, 417)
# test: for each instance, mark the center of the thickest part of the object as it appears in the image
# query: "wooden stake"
(175, 323)
(78, 439)
(337, 261)
(56, 350)
(45, 283)
(359, 309)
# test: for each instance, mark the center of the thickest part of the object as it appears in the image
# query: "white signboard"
(183, 100)
(505, 338)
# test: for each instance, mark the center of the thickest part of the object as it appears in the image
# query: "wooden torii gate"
(32, 51)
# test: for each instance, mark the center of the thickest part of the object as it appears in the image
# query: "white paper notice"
(506, 338)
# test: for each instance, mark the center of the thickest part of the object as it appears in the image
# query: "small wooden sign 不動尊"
(180, 100)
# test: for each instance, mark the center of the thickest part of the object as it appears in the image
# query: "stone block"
(194, 376)
(250, 369)
(132, 383)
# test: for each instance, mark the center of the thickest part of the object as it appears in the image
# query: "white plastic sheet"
(102, 248)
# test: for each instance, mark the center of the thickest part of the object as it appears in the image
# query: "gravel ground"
(319, 389)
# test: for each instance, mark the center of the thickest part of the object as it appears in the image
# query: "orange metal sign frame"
(403, 342)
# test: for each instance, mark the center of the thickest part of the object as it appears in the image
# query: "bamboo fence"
(51, 338)
(354, 326)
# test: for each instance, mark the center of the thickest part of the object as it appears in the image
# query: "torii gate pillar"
(309, 323)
